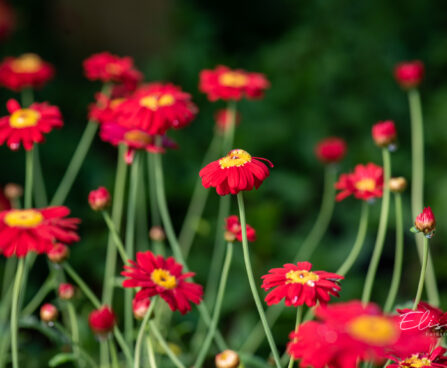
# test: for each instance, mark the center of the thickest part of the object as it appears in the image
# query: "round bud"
(102, 320)
(99, 199)
(227, 359)
(229, 237)
(140, 307)
(13, 191)
(157, 234)
(66, 291)
(398, 185)
(58, 253)
(48, 313)
(425, 222)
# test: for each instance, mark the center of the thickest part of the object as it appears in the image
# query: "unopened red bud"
(398, 185)
(99, 199)
(102, 320)
(426, 222)
(48, 313)
(58, 253)
(409, 74)
(140, 307)
(227, 359)
(330, 150)
(384, 133)
(13, 191)
(66, 291)
(156, 233)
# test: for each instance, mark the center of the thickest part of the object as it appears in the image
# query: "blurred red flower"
(102, 320)
(409, 74)
(331, 150)
(384, 133)
(233, 227)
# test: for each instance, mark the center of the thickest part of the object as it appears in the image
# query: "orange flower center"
(137, 137)
(116, 102)
(416, 362)
(374, 330)
(302, 277)
(163, 278)
(153, 102)
(233, 79)
(366, 184)
(23, 218)
(27, 63)
(236, 157)
(24, 118)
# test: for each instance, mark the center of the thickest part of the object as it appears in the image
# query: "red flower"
(236, 172)
(111, 68)
(297, 285)
(331, 150)
(425, 222)
(234, 230)
(157, 107)
(99, 199)
(156, 275)
(384, 133)
(223, 117)
(227, 84)
(140, 307)
(26, 71)
(435, 359)
(365, 182)
(351, 333)
(27, 125)
(409, 74)
(102, 320)
(425, 317)
(134, 139)
(66, 291)
(23, 231)
(7, 19)
(48, 313)
(58, 253)
(105, 109)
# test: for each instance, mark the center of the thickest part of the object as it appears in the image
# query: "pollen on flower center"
(233, 79)
(23, 218)
(366, 184)
(27, 63)
(235, 157)
(375, 330)
(302, 277)
(416, 362)
(24, 118)
(138, 137)
(153, 102)
(164, 278)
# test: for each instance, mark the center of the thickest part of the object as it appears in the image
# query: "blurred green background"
(330, 66)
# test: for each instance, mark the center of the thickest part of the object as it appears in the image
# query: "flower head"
(25, 71)
(331, 150)
(105, 109)
(298, 285)
(66, 291)
(232, 84)
(28, 125)
(58, 253)
(425, 223)
(409, 74)
(365, 182)
(99, 199)
(237, 171)
(102, 320)
(35, 230)
(140, 307)
(398, 184)
(435, 358)
(227, 359)
(234, 230)
(384, 133)
(156, 275)
(425, 317)
(48, 313)
(223, 118)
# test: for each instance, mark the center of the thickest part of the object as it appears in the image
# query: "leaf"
(61, 358)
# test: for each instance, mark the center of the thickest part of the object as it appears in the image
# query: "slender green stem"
(417, 185)
(251, 280)
(82, 285)
(381, 232)
(27, 97)
(398, 257)
(40, 193)
(141, 332)
(231, 127)
(216, 314)
(116, 238)
(153, 327)
(15, 313)
(150, 353)
(38, 298)
(124, 347)
(422, 276)
(113, 354)
(299, 314)
(74, 328)
(104, 361)
(29, 169)
(8, 274)
(321, 224)
(117, 211)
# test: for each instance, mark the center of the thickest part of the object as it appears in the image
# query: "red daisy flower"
(297, 285)
(425, 317)
(366, 182)
(227, 84)
(234, 230)
(223, 117)
(331, 150)
(409, 74)
(27, 125)
(26, 71)
(7, 19)
(157, 107)
(105, 109)
(102, 321)
(107, 67)
(134, 139)
(23, 231)
(236, 172)
(384, 133)
(435, 359)
(156, 275)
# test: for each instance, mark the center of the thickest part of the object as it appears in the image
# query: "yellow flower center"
(416, 362)
(163, 278)
(24, 118)
(302, 277)
(233, 79)
(137, 137)
(236, 157)
(366, 184)
(374, 330)
(27, 63)
(23, 218)
(153, 102)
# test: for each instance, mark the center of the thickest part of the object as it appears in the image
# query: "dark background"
(330, 66)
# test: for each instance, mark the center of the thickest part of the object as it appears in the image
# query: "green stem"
(422, 276)
(417, 185)
(82, 285)
(116, 238)
(150, 353)
(153, 327)
(321, 224)
(74, 328)
(231, 127)
(398, 257)
(29, 169)
(124, 347)
(38, 298)
(8, 274)
(216, 314)
(104, 354)
(141, 331)
(251, 280)
(40, 193)
(113, 354)
(27, 97)
(299, 314)
(381, 232)
(15, 313)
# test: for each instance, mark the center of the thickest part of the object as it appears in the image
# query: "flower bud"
(330, 150)
(102, 320)
(58, 253)
(398, 185)
(384, 133)
(409, 74)
(13, 191)
(140, 307)
(227, 359)
(99, 199)
(157, 234)
(66, 291)
(425, 222)
(233, 227)
(229, 237)
(48, 313)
